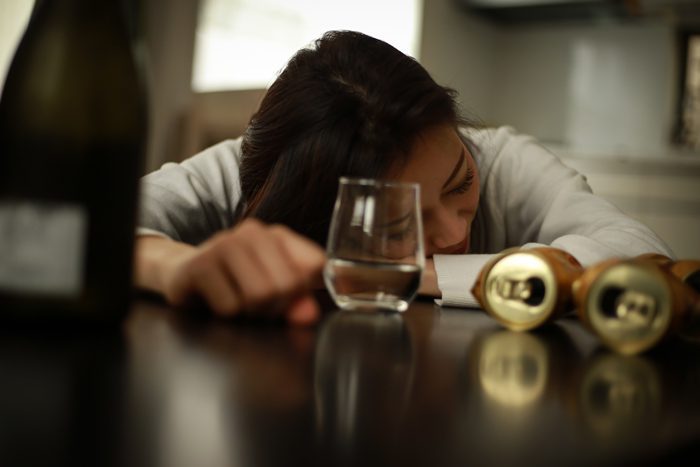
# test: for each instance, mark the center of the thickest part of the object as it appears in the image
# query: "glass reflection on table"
(363, 377)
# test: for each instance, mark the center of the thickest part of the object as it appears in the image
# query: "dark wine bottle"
(73, 129)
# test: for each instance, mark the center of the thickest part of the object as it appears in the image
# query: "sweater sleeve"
(190, 201)
(456, 275)
(530, 198)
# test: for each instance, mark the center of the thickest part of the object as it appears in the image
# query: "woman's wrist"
(154, 257)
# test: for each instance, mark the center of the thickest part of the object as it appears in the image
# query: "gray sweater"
(528, 198)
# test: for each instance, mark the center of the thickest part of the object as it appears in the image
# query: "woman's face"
(449, 181)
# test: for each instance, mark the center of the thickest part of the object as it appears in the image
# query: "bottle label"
(42, 248)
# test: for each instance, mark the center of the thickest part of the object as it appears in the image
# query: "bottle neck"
(81, 6)
(75, 12)
(123, 15)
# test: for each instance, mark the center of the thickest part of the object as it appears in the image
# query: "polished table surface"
(430, 387)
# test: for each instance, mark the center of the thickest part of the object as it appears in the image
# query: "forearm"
(251, 268)
(151, 254)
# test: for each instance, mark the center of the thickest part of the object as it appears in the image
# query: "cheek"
(467, 205)
(472, 197)
(473, 201)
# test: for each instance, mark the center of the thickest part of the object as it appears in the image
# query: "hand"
(251, 268)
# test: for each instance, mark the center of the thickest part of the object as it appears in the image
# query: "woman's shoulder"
(497, 139)
(214, 168)
(221, 160)
(227, 151)
(488, 144)
(491, 144)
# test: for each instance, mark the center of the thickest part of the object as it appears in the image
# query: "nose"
(445, 228)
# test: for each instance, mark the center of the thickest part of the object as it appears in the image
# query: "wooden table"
(431, 387)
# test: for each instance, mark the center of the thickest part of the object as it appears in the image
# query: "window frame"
(683, 37)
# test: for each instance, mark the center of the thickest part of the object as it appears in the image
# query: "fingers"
(303, 311)
(254, 269)
(259, 265)
(197, 273)
(221, 294)
(303, 252)
(305, 255)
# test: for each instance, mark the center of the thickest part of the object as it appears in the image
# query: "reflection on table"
(432, 386)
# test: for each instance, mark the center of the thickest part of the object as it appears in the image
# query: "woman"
(355, 106)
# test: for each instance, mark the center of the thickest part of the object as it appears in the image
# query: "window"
(688, 127)
(243, 44)
(13, 21)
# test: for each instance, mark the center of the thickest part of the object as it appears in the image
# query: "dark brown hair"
(352, 105)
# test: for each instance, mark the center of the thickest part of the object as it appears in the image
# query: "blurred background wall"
(601, 91)
(593, 85)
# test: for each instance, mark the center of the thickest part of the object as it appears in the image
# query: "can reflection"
(518, 396)
(530, 388)
(363, 377)
(620, 399)
(513, 369)
(516, 370)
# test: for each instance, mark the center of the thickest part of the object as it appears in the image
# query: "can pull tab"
(529, 291)
(629, 306)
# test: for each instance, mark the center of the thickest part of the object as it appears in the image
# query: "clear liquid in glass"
(365, 284)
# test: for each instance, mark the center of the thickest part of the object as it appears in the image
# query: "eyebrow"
(455, 171)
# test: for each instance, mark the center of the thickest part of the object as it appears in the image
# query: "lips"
(459, 249)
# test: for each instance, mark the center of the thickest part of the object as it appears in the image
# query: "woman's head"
(351, 105)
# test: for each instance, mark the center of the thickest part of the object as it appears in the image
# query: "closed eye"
(397, 237)
(401, 235)
(464, 186)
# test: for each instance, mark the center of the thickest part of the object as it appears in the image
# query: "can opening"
(537, 291)
(629, 306)
(609, 300)
(693, 280)
(529, 291)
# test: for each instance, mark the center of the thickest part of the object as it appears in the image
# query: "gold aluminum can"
(632, 305)
(687, 270)
(656, 258)
(524, 289)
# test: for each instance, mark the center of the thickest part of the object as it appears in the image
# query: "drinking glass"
(375, 245)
